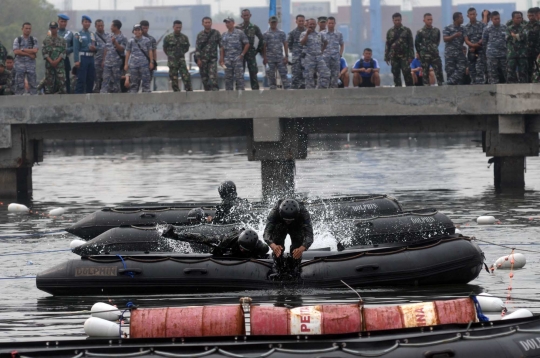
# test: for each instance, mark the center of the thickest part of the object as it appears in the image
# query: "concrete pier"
(276, 124)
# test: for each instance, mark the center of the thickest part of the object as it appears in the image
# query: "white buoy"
(18, 208)
(105, 311)
(520, 313)
(489, 303)
(505, 262)
(76, 243)
(57, 212)
(486, 220)
(97, 327)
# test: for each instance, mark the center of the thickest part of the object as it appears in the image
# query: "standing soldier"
(275, 41)
(54, 52)
(84, 47)
(314, 44)
(295, 47)
(322, 22)
(68, 36)
(494, 40)
(533, 40)
(333, 51)
(25, 48)
(427, 43)
(114, 59)
(234, 45)
(399, 51)
(101, 41)
(5, 80)
(208, 42)
(145, 26)
(516, 50)
(476, 56)
(10, 66)
(456, 62)
(252, 31)
(175, 47)
(139, 61)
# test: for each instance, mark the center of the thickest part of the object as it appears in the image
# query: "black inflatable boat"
(349, 207)
(443, 260)
(496, 339)
(403, 227)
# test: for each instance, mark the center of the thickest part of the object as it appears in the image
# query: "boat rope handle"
(136, 354)
(479, 313)
(195, 355)
(129, 273)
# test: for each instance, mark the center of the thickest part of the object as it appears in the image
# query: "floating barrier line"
(32, 235)
(506, 247)
(33, 252)
(16, 277)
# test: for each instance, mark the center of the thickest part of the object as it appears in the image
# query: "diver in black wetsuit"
(232, 208)
(288, 217)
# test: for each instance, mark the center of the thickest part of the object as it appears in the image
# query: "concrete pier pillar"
(16, 183)
(277, 178)
(509, 173)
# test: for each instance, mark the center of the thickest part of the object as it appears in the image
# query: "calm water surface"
(449, 173)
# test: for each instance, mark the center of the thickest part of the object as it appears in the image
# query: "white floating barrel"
(76, 243)
(489, 303)
(17, 208)
(105, 311)
(57, 212)
(97, 327)
(505, 262)
(486, 220)
(520, 313)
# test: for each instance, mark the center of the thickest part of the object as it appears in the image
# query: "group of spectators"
(109, 62)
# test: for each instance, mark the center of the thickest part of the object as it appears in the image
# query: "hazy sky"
(234, 5)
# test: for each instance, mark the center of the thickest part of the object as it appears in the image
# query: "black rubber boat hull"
(450, 260)
(351, 207)
(497, 339)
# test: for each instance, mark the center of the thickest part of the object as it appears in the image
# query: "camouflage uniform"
(494, 41)
(516, 55)
(533, 46)
(68, 36)
(5, 82)
(456, 62)
(295, 49)
(399, 50)
(427, 44)
(313, 62)
(207, 52)
(153, 44)
(251, 32)
(233, 45)
(139, 69)
(55, 77)
(274, 54)
(101, 42)
(477, 67)
(332, 55)
(24, 65)
(175, 47)
(114, 65)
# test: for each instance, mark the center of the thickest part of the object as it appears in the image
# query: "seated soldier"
(366, 71)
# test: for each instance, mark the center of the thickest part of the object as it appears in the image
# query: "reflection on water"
(446, 172)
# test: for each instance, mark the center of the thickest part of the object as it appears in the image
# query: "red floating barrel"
(269, 321)
(456, 311)
(338, 319)
(381, 318)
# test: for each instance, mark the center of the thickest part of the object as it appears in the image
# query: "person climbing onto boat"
(198, 216)
(232, 208)
(288, 217)
(241, 243)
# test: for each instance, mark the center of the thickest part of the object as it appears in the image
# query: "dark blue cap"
(63, 17)
(84, 17)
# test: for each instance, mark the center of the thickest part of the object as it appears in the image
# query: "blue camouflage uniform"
(68, 36)
(494, 41)
(295, 49)
(81, 53)
(153, 43)
(313, 62)
(332, 55)
(114, 65)
(456, 62)
(24, 65)
(233, 45)
(139, 70)
(101, 41)
(274, 40)
(477, 63)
